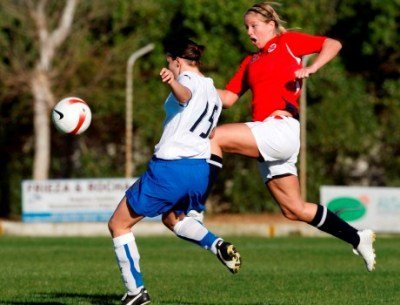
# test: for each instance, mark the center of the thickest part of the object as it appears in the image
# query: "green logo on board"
(347, 208)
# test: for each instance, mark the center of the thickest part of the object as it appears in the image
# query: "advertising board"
(376, 208)
(72, 200)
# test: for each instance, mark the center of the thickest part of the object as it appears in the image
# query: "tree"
(353, 102)
(40, 82)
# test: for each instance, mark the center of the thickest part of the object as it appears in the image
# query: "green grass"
(285, 271)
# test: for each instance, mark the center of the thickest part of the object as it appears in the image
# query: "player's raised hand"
(167, 76)
(304, 72)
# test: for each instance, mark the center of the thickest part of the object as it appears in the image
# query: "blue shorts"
(179, 185)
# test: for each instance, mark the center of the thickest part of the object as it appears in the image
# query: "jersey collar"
(267, 48)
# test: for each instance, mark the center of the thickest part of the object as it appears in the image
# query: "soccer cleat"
(229, 256)
(366, 248)
(137, 299)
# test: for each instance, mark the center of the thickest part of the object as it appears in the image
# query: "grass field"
(276, 271)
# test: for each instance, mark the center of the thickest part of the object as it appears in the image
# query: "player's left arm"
(329, 50)
(181, 93)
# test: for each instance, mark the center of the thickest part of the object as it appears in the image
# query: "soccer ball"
(71, 115)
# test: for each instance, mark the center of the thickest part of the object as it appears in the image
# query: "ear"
(271, 24)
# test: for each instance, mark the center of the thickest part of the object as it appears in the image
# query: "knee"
(289, 214)
(295, 213)
(112, 226)
(116, 228)
(168, 222)
(215, 144)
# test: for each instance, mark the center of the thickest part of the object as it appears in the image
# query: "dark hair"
(185, 48)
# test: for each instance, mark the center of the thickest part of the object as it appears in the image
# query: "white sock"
(128, 258)
(213, 247)
(192, 230)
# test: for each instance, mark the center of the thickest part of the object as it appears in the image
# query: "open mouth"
(253, 39)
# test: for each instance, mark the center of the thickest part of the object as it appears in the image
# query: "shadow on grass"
(66, 298)
(29, 302)
(172, 302)
(97, 299)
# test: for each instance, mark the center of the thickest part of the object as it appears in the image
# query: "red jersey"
(269, 74)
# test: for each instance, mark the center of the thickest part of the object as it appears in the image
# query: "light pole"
(303, 136)
(129, 106)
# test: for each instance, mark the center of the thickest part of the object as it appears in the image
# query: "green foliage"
(341, 116)
(309, 16)
(353, 102)
(389, 136)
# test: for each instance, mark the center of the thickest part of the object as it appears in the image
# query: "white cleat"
(366, 248)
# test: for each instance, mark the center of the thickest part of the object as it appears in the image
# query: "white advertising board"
(376, 208)
(72, 200)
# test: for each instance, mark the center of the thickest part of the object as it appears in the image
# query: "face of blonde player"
(259, 31)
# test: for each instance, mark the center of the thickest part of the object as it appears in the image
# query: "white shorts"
(278, 140)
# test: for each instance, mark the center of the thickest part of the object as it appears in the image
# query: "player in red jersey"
(274, 74)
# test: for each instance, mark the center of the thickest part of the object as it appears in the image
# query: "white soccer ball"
(71, 115)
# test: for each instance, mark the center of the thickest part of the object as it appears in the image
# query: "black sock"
(330, 223)
(215, 163)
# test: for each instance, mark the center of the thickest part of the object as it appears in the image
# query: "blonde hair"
(266, 10)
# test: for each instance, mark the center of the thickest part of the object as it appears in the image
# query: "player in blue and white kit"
(178, 176)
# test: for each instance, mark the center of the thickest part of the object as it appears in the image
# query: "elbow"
(228, 98)
(183, 98)
(227, 104)
(335, 44)
(332, 44)
(338, 45)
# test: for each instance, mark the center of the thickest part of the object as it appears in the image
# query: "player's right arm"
(181, 93)
(227, 97)
(236, 86)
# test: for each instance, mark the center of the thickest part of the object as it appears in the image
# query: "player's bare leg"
(286, 191)
(123, 219)
(120, 225)
(238, 138)
(235, 138)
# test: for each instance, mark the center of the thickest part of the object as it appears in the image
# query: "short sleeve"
(185, 79)
(238, 83)
(304, 44)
